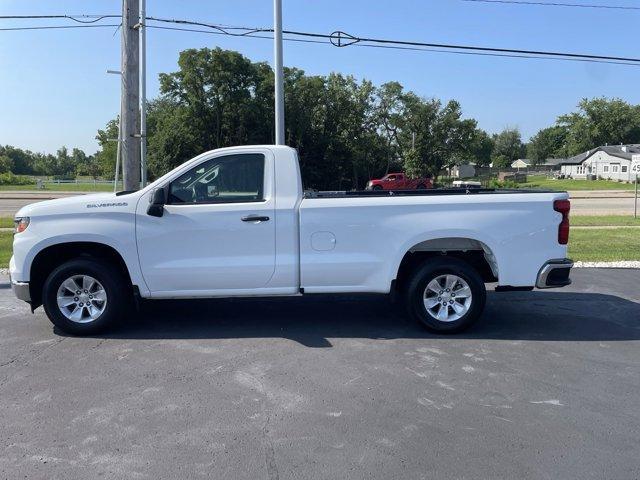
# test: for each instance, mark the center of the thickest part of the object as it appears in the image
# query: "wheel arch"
(476, 252)
(52, 256)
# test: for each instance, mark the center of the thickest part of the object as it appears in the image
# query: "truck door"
(217, 231)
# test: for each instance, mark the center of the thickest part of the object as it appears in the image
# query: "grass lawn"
(6, 244)
(64, 187)
(605, 221)
(544, 182)
(604, 245)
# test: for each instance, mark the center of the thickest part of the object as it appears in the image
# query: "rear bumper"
(555, 273)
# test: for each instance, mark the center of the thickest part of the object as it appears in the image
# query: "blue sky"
(54, 90)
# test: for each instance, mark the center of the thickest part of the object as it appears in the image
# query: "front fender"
(28, 244)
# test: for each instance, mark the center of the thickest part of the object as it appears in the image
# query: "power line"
(54, 27)
(225, 29)
(417, 49)
(75, 18)
(555, 4)
(353, 40)
(342, 39)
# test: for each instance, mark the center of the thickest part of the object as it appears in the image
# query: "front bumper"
(21, 290)
(555, 273)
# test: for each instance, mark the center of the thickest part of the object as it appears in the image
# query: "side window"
(624, 168)
(229, 179)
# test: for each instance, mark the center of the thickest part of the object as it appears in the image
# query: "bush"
(11, 179)
(503, 184)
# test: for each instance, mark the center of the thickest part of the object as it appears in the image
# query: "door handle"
(255, 218)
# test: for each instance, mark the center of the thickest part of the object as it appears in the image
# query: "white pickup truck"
(235, 222)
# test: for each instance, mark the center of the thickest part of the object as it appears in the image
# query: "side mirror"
(156, 203)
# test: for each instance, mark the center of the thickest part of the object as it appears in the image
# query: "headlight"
(20, 224)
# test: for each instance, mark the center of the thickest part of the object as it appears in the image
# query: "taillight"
(563, 207)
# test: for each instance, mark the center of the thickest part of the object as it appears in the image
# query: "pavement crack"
(269, 452)
(22, 354)
(10, 361)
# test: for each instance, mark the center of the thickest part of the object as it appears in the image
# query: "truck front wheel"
(84, 296)
(446, 295)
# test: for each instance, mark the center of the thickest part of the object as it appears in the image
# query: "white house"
(611, 162)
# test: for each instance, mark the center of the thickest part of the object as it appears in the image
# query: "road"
(546, 385)
(602, 202)
(12, 201)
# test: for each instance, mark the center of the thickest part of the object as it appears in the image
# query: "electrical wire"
(336, 38)
(418, 49)
(340, 39)
(555, 4)
(54, 27)
(75, 18)
(225, 29)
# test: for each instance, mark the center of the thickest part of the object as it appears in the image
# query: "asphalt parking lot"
(546, 385)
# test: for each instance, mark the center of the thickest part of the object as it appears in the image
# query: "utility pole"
(130, 100)
(279, 76)
(635, 201)
(143, 91)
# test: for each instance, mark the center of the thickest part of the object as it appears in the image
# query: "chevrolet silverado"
(235, 222)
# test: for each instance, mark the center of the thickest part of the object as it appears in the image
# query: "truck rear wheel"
(446, 295)
(84, 296)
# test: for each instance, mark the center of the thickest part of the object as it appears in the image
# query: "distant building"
(611, 162)
(527, 163)
(521, 163)
(462, 171)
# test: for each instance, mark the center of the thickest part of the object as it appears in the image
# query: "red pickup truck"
(399, 181)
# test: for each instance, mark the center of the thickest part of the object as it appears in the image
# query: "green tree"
(6, 164)
(442, 137)
(346, 131)
(600, 121)
(500, 161)
(547, 143)
(23, 161)
(481, 148)
(507, 147)
(64, 165)
(105, 158)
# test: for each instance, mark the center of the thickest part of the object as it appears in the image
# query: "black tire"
(432, 269)
(376, 187)
(116, 287)
(422, 186)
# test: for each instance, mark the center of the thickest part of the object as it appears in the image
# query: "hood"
(79, 203)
